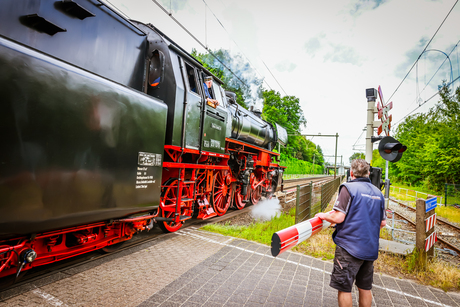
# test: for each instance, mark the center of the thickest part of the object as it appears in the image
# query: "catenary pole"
(370, 122)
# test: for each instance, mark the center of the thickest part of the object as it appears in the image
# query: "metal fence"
(311, 199)
(304, 195)
(300, 176)
(328, 190)
(413, 194)
(451, 194)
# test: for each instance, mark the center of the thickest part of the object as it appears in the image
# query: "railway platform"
(196, 268)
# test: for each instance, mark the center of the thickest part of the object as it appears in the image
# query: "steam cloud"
(266, 209)
(240, 67)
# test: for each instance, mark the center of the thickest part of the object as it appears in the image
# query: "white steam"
(266, 209)
(240, 67)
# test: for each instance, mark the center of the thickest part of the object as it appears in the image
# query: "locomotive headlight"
(30, 255)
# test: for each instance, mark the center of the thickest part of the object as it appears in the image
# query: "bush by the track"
(295, 166)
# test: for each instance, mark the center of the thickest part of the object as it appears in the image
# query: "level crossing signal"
(391, 149)
(383, 114)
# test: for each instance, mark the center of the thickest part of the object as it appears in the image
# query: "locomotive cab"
(194, 121)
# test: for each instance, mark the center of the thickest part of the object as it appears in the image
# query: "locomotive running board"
(169, 219)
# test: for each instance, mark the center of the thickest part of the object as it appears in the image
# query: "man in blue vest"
(359, 213)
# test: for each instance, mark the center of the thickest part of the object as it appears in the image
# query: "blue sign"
(430, 204)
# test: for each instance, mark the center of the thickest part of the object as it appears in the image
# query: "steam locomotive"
(108, 127)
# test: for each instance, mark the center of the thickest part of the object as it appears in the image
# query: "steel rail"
(291, 183)
(453, 247)
(440, 219)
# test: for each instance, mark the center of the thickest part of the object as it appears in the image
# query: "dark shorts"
(347, 269)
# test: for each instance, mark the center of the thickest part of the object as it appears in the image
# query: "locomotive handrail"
(190, 165)
(138, 218)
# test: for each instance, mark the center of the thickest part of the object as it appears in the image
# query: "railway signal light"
(391, 149)
(376, 177)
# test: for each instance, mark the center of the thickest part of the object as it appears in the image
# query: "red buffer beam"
(287, 238)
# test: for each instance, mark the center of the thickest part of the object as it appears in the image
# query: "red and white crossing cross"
(383, 112)
(430, 222)
(429, 242)
(385, 126)
(383, 115)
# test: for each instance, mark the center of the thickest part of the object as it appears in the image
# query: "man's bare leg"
(365, 298)
(345, 299)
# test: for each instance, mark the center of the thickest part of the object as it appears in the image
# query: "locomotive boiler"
(108, 128)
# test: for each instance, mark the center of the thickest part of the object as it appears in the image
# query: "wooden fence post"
(425, 220)
(311, 199)
(297, 201)
(420, 234)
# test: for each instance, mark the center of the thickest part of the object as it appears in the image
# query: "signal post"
(389, 148)
(371, 94)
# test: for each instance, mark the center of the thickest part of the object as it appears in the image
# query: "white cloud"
(285, 66)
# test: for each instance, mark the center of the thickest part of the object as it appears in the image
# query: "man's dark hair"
(360, 168)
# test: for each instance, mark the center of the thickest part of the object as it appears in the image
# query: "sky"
(326, 53)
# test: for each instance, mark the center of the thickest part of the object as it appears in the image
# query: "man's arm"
(340, 208)
(336, 217)
(383, 223)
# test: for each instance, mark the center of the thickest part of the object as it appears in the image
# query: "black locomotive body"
(106, 129)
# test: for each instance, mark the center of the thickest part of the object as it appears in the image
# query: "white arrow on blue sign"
(430, 204)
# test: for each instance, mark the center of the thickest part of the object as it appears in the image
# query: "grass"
(259, 232)
(437, 274)
(450, 213)
(451, 199)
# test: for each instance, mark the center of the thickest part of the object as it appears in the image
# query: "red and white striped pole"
(287, 238)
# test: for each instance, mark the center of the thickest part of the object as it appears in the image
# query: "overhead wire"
(228, 34)
(199, 42)
(415, 63)
(418, 92)
(434, 95)
(452, 82)
(359, 137)
(204, 46)
(440, 67)
(118, 11)
(423, 50)
(274, 78)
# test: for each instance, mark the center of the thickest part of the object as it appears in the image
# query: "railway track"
(40, 274)
(442, 225)
(291, 183)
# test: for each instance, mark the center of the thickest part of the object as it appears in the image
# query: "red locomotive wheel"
(257, 192)
(241, 200)
(221, 193)
(256, 195)
(168, 210)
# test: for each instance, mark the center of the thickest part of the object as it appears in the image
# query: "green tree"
(433, 142)
(285, 111)
(238, 80)
(357, 155)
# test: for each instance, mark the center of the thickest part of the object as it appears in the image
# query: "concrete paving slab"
(197, 268)
(395, 247)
